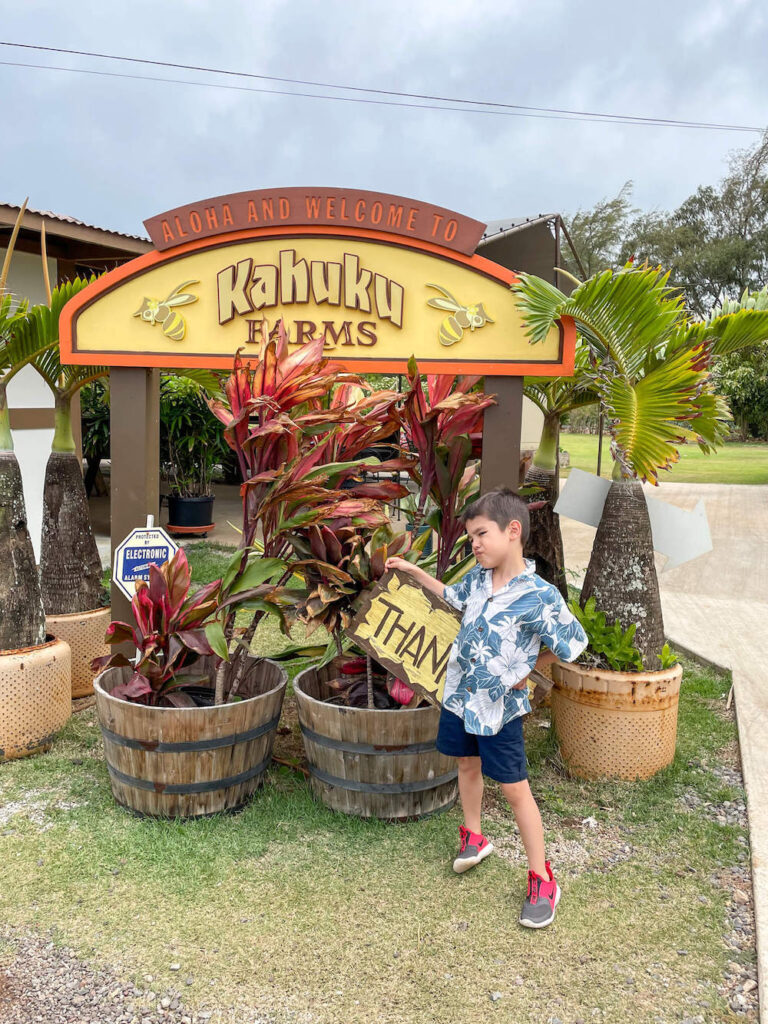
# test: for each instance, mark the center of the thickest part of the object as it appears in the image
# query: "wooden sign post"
(407, 630)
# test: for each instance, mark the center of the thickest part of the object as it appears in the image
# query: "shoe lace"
(533, 886)
(464, 835)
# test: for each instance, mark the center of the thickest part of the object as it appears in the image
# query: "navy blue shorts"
(502, 756)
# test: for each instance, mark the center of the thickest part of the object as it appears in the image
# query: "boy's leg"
(471, 791)
(543, 891)
(474, 846)
(454, 741)
(526, 812)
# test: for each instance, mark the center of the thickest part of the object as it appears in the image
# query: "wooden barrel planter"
(190, 762)
(84, 632)
(35, 697)
(372, 764)
(620, 725)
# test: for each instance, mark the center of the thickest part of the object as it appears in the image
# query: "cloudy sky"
(114, 150)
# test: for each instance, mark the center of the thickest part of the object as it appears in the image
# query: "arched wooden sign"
(380, 277)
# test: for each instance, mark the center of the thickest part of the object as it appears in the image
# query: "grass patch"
(734, 463)
(290, 909)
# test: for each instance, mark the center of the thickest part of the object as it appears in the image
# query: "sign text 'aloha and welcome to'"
(378, 278)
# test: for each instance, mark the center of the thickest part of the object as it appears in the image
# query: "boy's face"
(490, 543)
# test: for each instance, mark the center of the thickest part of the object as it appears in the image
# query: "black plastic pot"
(190, 513)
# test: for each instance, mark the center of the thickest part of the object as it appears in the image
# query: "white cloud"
(114, 151)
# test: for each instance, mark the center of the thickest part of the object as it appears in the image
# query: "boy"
(509, 612)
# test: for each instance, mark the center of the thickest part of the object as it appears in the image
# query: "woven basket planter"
(84, 632)
(620, 725)
(35, 701)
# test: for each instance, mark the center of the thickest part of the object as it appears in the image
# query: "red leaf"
(195, 640)
(108, 661)
(137, 686)
(120, 632)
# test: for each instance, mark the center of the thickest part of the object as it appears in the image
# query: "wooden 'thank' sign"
(408, 630)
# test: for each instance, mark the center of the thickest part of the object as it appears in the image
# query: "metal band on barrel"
(382, 787)
(183, 747)
(365, 748)
(188, 787)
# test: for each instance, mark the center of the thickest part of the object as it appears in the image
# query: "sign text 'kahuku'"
(408, 630)
(378, 278)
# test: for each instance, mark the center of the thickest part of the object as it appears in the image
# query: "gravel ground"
(48, 983)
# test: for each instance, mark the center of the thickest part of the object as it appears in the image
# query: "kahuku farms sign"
(379, 278)
(408, 630)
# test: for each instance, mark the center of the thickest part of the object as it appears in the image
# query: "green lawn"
(288, 912)
(734, 463)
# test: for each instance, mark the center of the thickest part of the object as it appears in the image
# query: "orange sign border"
(564, 366)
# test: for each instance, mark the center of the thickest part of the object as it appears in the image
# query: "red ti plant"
(339, 562)
(296, 442)
(170, 634)
(263, 418)
(437, 421)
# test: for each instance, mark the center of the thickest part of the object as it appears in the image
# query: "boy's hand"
(401, 564)
(417, 573)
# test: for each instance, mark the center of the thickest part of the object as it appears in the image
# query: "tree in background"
(743, 379)
(715, 244)
(598, 234)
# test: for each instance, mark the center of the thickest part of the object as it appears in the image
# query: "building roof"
(496, 228)
(71, 228)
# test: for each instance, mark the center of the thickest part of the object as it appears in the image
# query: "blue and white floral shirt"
(499, 641)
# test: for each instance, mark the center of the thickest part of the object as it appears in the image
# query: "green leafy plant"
(668, 658)
(650, 364)
(191, 438)
(611, 643)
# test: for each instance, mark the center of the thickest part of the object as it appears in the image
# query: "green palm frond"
(652, 416)
(725, 333)
(562, 394)
(39, 334)
(212, 382)
(11, 312)
(749, 300)
(622, 315)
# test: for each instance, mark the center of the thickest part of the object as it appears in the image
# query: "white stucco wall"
(28, 391)
(533, 421)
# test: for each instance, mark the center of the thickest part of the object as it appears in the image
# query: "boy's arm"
(419, 575)
(562, 632)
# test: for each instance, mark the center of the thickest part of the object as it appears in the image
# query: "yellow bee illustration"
(172, 322)
(461, 317)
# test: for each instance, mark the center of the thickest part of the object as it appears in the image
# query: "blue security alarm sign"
(133, 557)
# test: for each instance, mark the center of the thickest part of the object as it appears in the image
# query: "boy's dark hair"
(502, 507)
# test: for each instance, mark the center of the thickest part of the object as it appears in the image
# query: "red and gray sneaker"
(474, 848)
(541, 900)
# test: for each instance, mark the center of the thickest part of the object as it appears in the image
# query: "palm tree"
(22, 618)
(651, 371)
(70, 565)
(554, 397)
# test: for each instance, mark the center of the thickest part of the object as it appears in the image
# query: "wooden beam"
(502, 426)
(134, 419)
